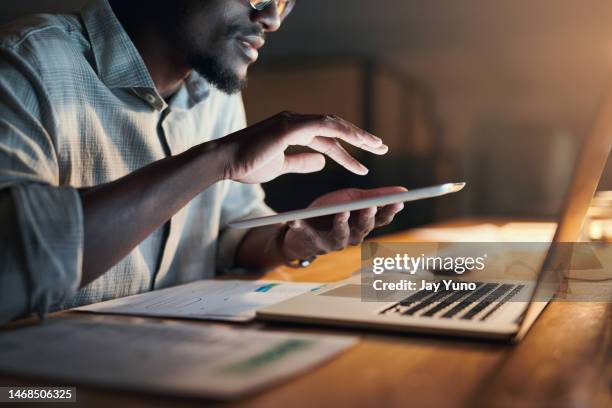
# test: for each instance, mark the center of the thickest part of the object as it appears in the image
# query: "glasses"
(284, 7)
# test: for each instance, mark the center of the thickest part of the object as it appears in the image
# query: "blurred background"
(495, 93)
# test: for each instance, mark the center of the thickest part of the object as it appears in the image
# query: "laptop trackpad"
(345, 291)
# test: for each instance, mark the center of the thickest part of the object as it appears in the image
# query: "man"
(123, 153)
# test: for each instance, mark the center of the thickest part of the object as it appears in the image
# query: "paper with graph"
(163, 358)
(208, 299)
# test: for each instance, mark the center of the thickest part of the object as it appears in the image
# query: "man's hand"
(323, 235)
(258, 154)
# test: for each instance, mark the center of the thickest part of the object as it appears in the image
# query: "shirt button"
(150, 98)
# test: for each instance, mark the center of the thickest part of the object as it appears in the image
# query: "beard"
(219, 74)
(217, 63)
(212, 55)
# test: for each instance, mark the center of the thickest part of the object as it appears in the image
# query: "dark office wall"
(531, 60)
(10, 9)
(512, 63)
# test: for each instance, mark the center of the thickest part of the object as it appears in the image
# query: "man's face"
(221, 38)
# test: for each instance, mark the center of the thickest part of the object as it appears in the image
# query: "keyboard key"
(477, 294)
(455, 297)
(486, 302)
(420, 295)
(506, 298)
(427, 302)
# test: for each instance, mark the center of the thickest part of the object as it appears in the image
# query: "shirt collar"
(119, 63)
(194, 90)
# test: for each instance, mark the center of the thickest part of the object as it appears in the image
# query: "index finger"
(307, 127)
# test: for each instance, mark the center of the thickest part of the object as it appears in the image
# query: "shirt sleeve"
(239, 201)
(41, 242)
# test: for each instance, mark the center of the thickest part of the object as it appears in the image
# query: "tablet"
(380, 201)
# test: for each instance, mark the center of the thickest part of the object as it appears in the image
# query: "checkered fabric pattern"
(78, 108)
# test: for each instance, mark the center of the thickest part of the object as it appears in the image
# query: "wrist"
(292, 249)
(216, 157)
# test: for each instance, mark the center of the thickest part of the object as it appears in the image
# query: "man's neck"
(166, 67)
(167, 71)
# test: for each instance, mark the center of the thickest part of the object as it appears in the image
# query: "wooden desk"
(565, 361)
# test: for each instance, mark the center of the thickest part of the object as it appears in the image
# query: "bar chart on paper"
(208, 299)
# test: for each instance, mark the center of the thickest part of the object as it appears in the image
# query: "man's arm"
(120, 215)
(260, 249)
(13, 282)
(40, 229)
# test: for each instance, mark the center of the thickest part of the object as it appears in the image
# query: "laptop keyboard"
(477, 304)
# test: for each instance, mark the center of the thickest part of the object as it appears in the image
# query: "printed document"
(208, 299)
(174, 359)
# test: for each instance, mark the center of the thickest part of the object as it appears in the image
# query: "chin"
(238, 70)
(229, 78)
(239, 66)
(237, 80)
(239, 73)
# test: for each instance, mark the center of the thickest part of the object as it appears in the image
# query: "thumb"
(296, 225)
(303, 163)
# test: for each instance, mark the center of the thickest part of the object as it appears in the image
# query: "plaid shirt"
(78, 108)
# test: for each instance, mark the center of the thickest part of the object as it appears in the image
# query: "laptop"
(484, 311)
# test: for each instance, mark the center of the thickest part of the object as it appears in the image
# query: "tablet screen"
(380, 201)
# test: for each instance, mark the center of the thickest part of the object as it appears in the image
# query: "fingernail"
(344, 217)
(295, 225)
